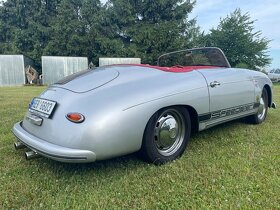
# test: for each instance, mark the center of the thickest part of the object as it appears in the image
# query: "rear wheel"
(166, 135)
(260, 116)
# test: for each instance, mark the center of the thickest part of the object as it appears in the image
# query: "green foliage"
(149, 28)
(122, 28)
(242, 66)
(25, 26)
(86, 28)
(236, 36)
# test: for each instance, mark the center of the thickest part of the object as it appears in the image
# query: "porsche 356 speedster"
(120, 109)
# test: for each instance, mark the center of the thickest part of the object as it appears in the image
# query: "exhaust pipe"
(19, 145)
(31, 155)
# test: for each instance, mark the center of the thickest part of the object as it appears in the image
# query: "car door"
(230, 91)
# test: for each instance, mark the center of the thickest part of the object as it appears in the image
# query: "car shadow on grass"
(118, 163)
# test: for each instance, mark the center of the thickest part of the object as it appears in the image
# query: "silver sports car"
(120, 109)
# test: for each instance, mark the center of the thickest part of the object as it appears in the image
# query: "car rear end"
(47, 131)
(55, 125)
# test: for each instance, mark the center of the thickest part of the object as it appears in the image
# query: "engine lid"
(87, 80)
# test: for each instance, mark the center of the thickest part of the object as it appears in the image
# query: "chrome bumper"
(52, 151)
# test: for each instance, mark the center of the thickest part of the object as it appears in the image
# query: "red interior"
(172, 69)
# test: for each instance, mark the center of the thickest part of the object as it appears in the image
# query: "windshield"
(208, 56)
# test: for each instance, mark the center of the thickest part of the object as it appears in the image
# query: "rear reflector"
(75, 117)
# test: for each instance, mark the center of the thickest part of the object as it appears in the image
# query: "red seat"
(174, 69)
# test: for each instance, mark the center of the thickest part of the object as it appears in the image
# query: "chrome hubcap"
(262, 109)
(169, 132)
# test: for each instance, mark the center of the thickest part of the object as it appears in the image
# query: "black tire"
(166, 135)
(260, 116)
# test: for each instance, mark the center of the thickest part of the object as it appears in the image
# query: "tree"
(67, 30)
(236, 36)
(149, 28)
(24, 26)
(128, 28)
(44, 27)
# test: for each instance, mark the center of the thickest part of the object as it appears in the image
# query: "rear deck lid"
(87, 80)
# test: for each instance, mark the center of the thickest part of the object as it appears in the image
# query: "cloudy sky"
(267, 14)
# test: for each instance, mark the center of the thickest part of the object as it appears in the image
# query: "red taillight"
(75, 117)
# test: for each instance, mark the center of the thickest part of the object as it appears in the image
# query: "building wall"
(55, 68)
(111, 61)
(12, 70)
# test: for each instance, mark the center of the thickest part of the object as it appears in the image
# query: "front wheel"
(166, 135)
(260, 116)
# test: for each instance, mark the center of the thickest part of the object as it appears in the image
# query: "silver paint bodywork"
(118, 101)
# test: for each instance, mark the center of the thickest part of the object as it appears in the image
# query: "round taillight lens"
(75, 117)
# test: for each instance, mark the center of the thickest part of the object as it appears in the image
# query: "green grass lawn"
(234, 165)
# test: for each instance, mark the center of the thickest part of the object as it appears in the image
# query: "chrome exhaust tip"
(273, 105)
(19, 145)
(31, 155)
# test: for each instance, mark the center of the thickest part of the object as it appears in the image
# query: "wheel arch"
(192, 112)
(194, 118)
(269, 93)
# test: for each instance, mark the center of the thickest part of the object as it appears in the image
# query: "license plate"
(42, 107)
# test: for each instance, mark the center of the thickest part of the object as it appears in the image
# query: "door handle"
(214, 84)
